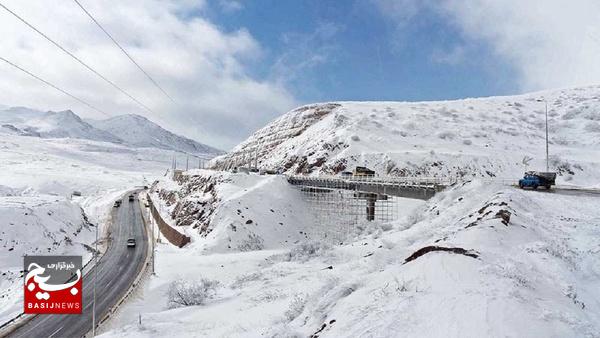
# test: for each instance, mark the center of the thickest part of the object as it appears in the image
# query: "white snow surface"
(35, 224)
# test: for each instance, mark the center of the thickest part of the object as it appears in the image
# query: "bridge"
(374, 190)
(407, 187)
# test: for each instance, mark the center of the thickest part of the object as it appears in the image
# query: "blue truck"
(535, 179)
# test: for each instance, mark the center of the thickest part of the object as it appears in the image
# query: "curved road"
(117, 270)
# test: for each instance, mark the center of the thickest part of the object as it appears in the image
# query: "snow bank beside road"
(36, 225)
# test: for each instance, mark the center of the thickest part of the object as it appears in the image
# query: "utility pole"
(256, 158)
(547, 164)
(547, 160)
(152, 221)
(95, 278)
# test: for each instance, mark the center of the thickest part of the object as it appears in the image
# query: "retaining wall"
(173, 236)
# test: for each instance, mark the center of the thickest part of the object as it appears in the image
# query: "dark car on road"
(131, 242)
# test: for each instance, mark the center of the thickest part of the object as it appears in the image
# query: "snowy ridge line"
(136, 281)
(22, 318)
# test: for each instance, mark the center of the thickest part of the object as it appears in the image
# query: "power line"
(77, 59)
(124, 51)
(52, 85)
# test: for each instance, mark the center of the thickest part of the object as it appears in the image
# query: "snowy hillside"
(35, 224)
(455, 266)
(138, 131)
(225, 212)
(496, 136)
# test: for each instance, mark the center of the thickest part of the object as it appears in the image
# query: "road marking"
(115, 253)
(55, 332)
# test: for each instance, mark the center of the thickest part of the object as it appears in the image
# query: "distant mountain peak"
(139, 131)
(129, 129)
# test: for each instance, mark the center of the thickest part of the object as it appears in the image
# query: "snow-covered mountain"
(138, 131)
(50, 124)
(495, 136)
(128, 130)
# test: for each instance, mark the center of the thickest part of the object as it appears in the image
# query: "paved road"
(117, 269)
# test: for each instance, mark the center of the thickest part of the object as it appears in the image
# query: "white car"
(131, 242)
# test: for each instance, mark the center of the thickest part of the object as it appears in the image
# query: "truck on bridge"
(363, 171)
(534, 179)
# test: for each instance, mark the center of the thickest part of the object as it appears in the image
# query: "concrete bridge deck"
(407, 187)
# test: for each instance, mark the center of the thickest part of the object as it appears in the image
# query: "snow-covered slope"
(456, 267)
(35, 224)
(138, 131)
(496, 136)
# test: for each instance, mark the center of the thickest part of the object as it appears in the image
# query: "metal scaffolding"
(342, 211)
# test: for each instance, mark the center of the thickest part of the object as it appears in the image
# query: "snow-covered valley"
(57, 184)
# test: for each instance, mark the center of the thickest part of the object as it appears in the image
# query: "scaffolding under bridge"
(346, 206)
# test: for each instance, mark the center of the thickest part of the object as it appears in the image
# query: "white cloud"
(550, 43)
(452, 56)
(304, 52)
(401, 11)
(229, 6)
(202, 67)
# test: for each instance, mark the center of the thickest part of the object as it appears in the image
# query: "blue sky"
(360, 53)
(233, 66)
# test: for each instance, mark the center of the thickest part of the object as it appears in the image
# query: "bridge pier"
(371, 199)
(371, 208)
